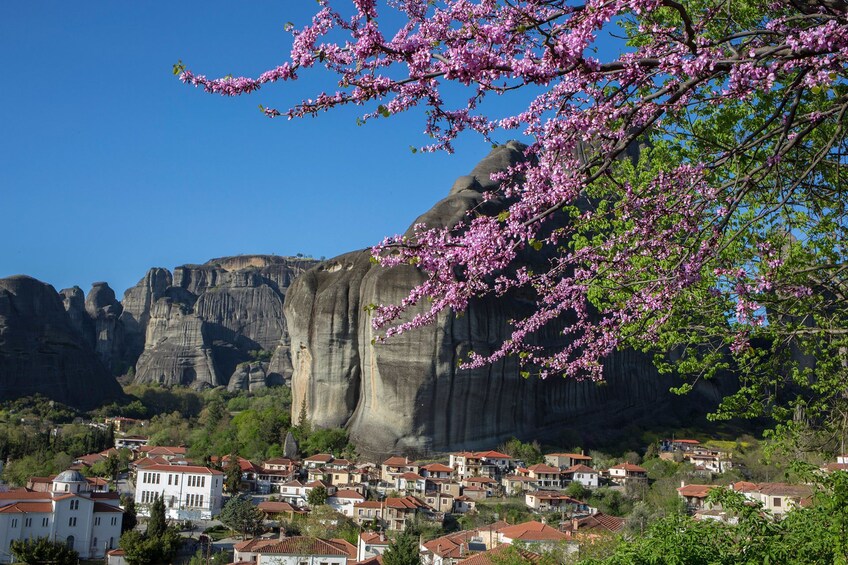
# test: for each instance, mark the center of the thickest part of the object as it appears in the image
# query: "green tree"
(142, 549)
(232, 474)
(113, 466)
(156, 524)
(403, 550)
(43, 551)
(241, 515)
(130, 518)
(317, 496)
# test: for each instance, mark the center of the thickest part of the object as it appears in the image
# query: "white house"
(88, 522)
(371, 544)
(190, 492)
(582, 474)
(344, 500)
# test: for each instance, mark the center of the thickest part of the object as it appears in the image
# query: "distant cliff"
(42, 348)
(220, 323)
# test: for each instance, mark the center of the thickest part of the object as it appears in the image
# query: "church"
(68, 512)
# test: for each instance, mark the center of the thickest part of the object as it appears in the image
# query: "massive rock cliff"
(203, 324)
(42, 348)
(408, 394)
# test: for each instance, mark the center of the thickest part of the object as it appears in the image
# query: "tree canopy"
(680, 189)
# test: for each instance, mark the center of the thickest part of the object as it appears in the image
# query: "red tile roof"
(27, 508)
(437, 468)
(345, 546)
(451, 546)
(271, 507)
(24, 495)
(542, 468)
(494, 455)
(103, 507)
(494, 557)
(396, 461)
(302, 545)
(374, 538)
(630, 467)
(348, 494)
(599, 521)
(580, 469)
(578, 456)
(196, 469)
(532, 531)
(695, 491)
(320, 458)
(412, 477)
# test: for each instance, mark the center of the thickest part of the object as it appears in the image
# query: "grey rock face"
(42, 350)
(210, 318)
(105, 310)
(408, 394)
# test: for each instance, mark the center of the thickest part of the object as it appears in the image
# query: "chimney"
(682, 483)
(574, 524)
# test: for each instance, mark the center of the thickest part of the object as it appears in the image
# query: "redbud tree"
(721, 247)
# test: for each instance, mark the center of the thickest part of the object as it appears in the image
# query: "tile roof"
(348, 494)
(27, 508)
(278, 461)
(412, 477)
(253, 544)
(24, 495)
(374, 538)
(579, 468)
(494, 455)
(630, 467)
(368, 504)
(396, 461)
(437, 468)
(452, 546)
(345, 546)
(494, 557)
(579, 456)
(785, 489)
(320, 458)
(695, 491)
(542, 468)
(532, 531)
(105, 495)
(302, 545)
(185, 469)
(598, 521)
(407, 502)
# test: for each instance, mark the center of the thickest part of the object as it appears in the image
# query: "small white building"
(343, 501)
(297, 550)
(190, 492)
(582, 474)
(88, 522)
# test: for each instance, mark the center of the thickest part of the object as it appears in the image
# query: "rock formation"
(42, 349)
(202, 324)
(408, 395)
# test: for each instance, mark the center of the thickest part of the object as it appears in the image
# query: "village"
(382, 498)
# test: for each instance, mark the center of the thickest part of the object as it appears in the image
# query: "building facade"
(190, 492)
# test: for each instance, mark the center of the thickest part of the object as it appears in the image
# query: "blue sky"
(110, 166)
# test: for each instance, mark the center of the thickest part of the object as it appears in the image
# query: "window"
(75, 505)
(202, 481)
(115, 521)
(201, 501)
(97, 521)
(14, 522)
(94, 544)
(72, 522)
(111, 543)
(776, 501)
(28, 522)
(44, 522)
(70, 541)
(169, 479)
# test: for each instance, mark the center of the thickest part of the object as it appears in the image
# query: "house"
(474, 493)
(695, 496)
(190, 492)
(410, 483)
(487, 484)
(566, 460)
(167, 452)
(593, 526)
(463, 505)
(343, 501)
(625, 473)
(516, 484)
(840, 465)
(295, 550)
(465, 464)
(396, 466)
(273, 509)
(369, 513)
(451, 549)
(440, 501)
(547, 501)
(293, 492)
(88, 522)
(123, 424)
(371, 544)
(780, 498)
(494, 463)
(436, 471)
(533, 535)
(679, 444)
(318, 460)
(545, 476)
(582, 474)
(131, 442)
(401, 511)
(501, 554)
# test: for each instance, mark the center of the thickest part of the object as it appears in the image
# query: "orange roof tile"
(494, 557)
(185, 469)
(302, 545)
(532, 531)
(27, 508)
